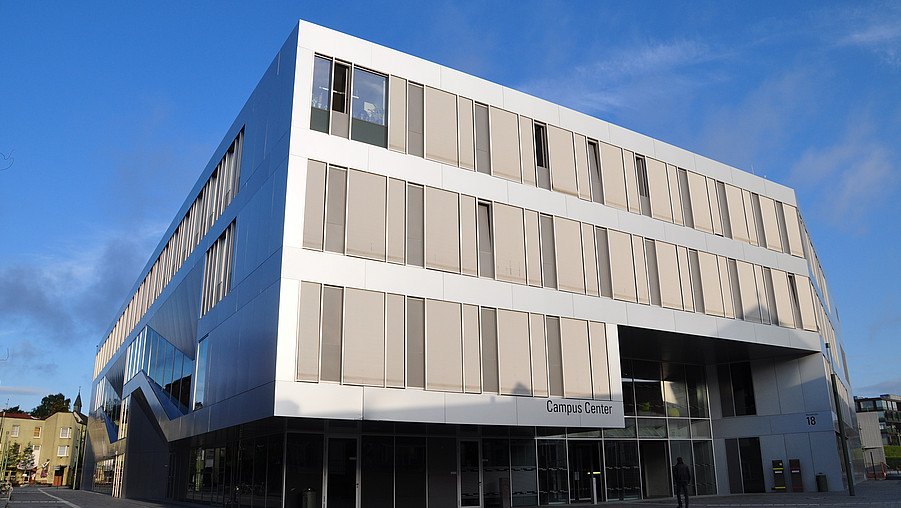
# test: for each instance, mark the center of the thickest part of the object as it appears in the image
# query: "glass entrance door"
(470, 475)
(341, 478)
(585, 472)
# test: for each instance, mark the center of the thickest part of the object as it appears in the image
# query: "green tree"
(14, 409)
(51, 405)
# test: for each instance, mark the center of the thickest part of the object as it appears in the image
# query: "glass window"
(203, 348)
(339, 92)
(483, 140)
(490, 381)
(369, 97)
(65, 432)
(415, 225)
(15, 431)
(37, 432)
(743, 389)
(63, 451)
(548, 256)
(332, 333)
(322, 82)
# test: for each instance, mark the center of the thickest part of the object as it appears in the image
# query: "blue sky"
(109, 111)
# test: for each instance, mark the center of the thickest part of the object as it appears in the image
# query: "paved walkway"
(30, 496)
(886, 493)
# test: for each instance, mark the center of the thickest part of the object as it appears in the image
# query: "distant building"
(395, 284)
(888, 409)
(55, 443)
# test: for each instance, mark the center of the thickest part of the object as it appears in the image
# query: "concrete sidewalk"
(883, 493)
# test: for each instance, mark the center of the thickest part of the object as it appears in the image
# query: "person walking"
(681, 477)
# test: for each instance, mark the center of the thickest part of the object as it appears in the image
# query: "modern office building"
(887, 409)
(395, 284)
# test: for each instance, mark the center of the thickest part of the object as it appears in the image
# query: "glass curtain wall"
(393, 464)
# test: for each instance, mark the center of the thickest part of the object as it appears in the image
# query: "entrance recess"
(341, 481)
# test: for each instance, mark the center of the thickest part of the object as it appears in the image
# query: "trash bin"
(822, 483)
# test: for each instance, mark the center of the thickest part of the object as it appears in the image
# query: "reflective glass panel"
(369, 97)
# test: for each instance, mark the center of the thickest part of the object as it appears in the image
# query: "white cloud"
(24, 390)
(857, 169)
(875, 28)
(627, 78)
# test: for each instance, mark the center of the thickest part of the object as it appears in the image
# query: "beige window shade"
(554, 357)
(366, 206)
(793, 228)
(589, 256)
(762, 296)
(415, 225)
(364, 337)
(513, 353)
(603, 256)
(622, 266)
(485, 234)
(335, 209)
(488, 330)
(444, 346)
(440, 126)
(533, 248)
(735, 286)
(674, 194)
(483, 151)
(314, 205)
(539, 355)
(397, 114)
(397, 207)
(415, 120)
(442, 237)
(562, 160)
(614, 176)
(700, 203)
(726, 286)
(770, 223)
(395, 343)
(659, 188)
(668, 270)
(631, 182)
(805, 301)
(332, 317)
(737, 219)
(548, 256)
(641, 270)
(749, 217)
(685, 279)
(685, 193)
(783, 298)
(469, 257)
(650, 255)
(415, 343)
(581, 145)
(600, 371)
(714, 206)
(467, 133)
(697, 289)
(510, 244)
(576, 358)
(505, 144)
(568, 238)
(527, 143)
(710, 284)
(308, 333)
(747, 285)
(472, 350)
